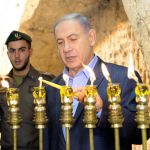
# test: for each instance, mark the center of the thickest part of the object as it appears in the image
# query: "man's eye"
(73, 39)
(22, 50)
(11, 50)
(60, 42)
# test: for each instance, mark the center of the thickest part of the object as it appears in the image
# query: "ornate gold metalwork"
(142, 114)
(66, 111)
(90, 118)
(14, 117)
(40, 118)
(115, 114)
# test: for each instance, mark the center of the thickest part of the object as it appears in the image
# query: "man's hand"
(79, 94)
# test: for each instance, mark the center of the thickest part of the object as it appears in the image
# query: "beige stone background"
(122, 26)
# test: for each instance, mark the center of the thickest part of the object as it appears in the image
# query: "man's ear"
(31, 51)
(7, 54)
(92, 37)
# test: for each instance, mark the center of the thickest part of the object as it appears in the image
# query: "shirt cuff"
(99, 114)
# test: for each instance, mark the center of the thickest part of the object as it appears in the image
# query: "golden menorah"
(142, 114)
(14, 116)
(90, 118)
(40, 118)
(115, 114)
(66, 111)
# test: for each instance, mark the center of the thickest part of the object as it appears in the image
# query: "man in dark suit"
(75, 39)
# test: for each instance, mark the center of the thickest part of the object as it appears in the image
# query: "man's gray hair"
(75, 16)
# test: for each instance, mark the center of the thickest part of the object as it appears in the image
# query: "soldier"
(24, 77)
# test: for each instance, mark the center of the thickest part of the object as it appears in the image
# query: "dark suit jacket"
(103, 134)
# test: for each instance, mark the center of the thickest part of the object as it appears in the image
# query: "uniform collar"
(33, 74)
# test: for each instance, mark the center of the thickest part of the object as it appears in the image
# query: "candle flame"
(92, 75)
(40, 81)
(105, 72)
(131, 73)
(66, 79)
(5, 83)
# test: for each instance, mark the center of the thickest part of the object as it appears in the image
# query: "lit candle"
(52, 84)
(40, 86)
(105, 72)
(40, 81)
(5, 83)
(66, 79)
(131, 73)
(142, 93)
(92, 75)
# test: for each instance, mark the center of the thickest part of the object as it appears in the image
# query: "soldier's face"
(19, 54)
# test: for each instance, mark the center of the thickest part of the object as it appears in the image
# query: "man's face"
(74, 44)
(19, 54)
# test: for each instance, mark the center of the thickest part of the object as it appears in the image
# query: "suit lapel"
(79, 110)
(98, 73)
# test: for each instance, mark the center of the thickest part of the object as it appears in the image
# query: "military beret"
(16, 35)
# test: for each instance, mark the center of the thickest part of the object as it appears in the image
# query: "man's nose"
(17, 54)
(67, 47)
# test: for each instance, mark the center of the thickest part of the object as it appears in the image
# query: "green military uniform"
(27, 134)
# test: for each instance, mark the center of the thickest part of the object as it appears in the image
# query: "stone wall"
(138, 13)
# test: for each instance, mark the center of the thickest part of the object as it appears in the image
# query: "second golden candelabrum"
(142, 114)
(90, 118)
(14, 117)
(40, 118)
(115, 114)
(66, 93)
